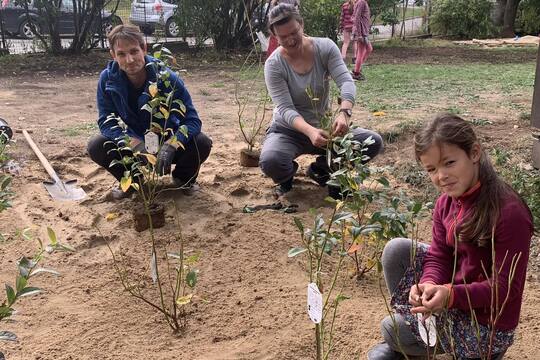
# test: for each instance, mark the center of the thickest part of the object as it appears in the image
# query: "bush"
(528, 17)
(462, 18)
(321, 17)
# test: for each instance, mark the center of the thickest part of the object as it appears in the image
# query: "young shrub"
(462, 18)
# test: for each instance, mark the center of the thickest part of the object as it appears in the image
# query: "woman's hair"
(281, 14)
(451, 129)
(125, 32)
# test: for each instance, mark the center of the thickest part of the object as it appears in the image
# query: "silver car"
(149, 14)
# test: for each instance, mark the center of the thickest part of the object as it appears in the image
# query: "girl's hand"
(433, 298)
(415, 296)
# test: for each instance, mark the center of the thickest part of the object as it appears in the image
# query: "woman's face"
(290, 34)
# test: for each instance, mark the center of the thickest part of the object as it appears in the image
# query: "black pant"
(187, 161)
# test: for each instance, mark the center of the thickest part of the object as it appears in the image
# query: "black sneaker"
(315, 173)
(383, 351)
(358, 76)
(283, 188)
(117, 194)
(188, 189)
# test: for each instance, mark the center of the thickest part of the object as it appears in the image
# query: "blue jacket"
(112, 97)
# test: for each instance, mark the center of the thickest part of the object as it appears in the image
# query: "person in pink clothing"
(470, 279)
(345, 27)
(360, 34)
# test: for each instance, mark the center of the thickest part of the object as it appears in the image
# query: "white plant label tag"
(427, 329)
(151, 142)
(314, 303)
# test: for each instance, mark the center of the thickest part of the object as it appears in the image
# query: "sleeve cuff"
(451, 295)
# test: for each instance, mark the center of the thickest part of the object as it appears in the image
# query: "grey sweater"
(287, 88)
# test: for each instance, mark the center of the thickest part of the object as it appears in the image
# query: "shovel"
(58, 189)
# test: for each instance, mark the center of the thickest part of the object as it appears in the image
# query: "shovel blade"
(65, 190)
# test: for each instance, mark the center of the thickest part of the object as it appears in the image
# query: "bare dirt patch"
(255, 295)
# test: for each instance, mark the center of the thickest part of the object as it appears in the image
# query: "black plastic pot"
(5, 130)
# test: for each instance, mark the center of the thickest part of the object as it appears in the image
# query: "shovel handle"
(41, 157)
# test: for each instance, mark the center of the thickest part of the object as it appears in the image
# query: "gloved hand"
(366, 39)
(165, 158)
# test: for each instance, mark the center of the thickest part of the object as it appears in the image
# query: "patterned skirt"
(456, 332)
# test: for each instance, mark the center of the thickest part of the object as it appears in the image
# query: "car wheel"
(28, 29)
(110, 23)
(171, 28)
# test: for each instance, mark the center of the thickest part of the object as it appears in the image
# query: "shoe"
(383, 351)
(315, 173)
(358, 76)
(283, 188)
(117, 194)
(188, 189)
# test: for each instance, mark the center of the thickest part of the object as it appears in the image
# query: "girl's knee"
(396, 249)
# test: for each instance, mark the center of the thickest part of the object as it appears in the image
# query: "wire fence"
(18, 26)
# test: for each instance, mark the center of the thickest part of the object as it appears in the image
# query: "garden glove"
(165, 158)
(366, 39)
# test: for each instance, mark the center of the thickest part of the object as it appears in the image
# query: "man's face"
(130, 56)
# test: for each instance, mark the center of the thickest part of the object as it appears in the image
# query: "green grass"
(83, 129)
(414, 86)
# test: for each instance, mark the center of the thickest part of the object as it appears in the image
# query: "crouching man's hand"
(165, 158)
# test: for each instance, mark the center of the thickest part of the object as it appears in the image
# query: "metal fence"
(155, 18)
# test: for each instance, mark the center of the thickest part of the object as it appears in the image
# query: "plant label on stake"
(314, 303)
(427, 329)
(151, 142)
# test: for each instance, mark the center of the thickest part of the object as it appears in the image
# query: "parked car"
(148, 14)
(16, 21)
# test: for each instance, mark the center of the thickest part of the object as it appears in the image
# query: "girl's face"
(451, 169)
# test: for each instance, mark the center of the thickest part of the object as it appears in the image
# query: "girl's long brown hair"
(451, 129)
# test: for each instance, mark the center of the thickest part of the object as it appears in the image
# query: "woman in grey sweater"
(304, 63)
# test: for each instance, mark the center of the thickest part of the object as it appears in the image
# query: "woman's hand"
(318, 137)
(340, 126)
(428, 298)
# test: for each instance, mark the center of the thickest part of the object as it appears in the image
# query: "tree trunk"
(498, 13)
(509, 18)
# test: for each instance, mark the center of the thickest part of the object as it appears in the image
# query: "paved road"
(411, 26)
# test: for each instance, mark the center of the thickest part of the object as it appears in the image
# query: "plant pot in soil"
(249, 158)
(140, 218)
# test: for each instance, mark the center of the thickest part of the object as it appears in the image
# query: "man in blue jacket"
(123, 90)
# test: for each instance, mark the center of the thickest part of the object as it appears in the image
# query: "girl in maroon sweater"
(481, 227)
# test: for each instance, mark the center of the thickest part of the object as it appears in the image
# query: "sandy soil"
(254, 295)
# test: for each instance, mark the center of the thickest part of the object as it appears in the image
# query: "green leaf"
(296, 251)
(52, 236)
(11, 296)
(8, 336)
(5, 311)
(191, 278)
(383, 181)
(21, 283)
(41, 270)
(29, 291)
(299, 224)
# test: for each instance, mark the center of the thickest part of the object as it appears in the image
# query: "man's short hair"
(125, 32)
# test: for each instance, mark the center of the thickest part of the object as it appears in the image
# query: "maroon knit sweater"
(513, 234)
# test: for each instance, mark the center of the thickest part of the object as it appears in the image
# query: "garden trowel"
(58, 189)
